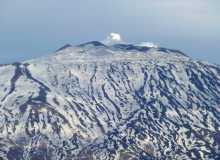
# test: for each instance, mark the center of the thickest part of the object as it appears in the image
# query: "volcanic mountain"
(110, 102)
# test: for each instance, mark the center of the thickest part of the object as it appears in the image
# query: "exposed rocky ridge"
(110, 102)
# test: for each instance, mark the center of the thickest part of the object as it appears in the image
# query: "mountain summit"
(110, 102)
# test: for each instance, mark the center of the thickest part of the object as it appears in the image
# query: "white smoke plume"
(148, 44)
(113, 38)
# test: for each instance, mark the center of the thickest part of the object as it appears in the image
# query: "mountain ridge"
(104, 102)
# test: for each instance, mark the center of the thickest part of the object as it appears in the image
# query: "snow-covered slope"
(118, 102)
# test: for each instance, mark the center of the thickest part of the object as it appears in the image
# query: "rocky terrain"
(119, 102)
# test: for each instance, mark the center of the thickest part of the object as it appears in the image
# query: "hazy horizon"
(37, 28)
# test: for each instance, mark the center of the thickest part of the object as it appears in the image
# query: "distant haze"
(31, 29)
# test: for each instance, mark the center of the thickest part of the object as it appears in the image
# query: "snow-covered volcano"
(110, 102)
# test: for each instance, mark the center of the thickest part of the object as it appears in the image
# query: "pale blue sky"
(33, 28)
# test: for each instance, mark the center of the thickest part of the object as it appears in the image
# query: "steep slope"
(103, 102)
